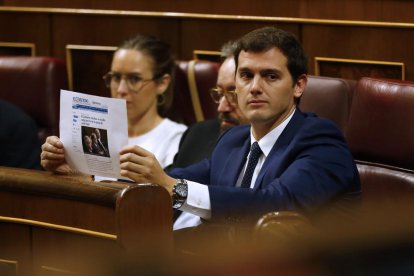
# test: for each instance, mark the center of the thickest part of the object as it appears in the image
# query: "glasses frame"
(108, 81)
(218, 93)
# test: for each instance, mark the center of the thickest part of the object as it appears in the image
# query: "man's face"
(98, 133)
(94, 138)
(88, 143)
(265, 89)
(229, 113)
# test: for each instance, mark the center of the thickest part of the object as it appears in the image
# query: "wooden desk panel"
(27, 28)
(58, 223)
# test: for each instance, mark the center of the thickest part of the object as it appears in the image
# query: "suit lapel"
(279, 148)
(235, 163)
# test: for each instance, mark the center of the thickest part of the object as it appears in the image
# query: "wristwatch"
(180, 191)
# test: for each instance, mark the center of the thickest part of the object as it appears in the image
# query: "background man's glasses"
(133, 81)
(217, 93)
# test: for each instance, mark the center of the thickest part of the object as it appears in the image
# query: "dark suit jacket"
(309, 166)
(197, 143)
(19, 141)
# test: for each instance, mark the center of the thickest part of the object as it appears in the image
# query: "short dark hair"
(164, 63)
(265, 38)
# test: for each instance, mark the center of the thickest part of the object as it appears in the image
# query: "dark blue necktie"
(254, 155)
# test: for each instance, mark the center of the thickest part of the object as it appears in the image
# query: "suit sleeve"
(20, 143)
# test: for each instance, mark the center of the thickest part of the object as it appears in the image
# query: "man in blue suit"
(303, 163)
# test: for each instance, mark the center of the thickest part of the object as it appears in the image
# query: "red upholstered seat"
(379, 127)
(33, 84)
(329, 98)
(381, 138)
(193, 80)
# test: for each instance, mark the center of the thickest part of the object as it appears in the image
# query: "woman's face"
(136, 68)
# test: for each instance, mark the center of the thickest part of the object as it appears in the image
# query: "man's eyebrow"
(271, 71)
(243, 69)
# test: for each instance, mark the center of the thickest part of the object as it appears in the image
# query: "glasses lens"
(231, 96)
(216, 95)
(107, 79)
(133, 81)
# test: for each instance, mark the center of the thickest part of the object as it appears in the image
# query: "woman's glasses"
(133, 81)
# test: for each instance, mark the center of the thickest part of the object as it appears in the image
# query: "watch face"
(181, 189)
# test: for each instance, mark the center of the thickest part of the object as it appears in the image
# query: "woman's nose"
(122, 87)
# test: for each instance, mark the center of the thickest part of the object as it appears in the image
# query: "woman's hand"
(52, 157)
(141, 166)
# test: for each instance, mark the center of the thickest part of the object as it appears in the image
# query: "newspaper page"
(93, 130)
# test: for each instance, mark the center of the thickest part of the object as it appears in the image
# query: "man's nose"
(224, 105)
(255, 85)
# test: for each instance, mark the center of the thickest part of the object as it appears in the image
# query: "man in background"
(202, 136)
(19, 140)
(199, 140)
(99, 142)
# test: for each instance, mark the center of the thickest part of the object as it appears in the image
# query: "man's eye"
(272, 77)
(246, 75)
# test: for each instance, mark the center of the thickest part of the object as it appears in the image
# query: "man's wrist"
(179, 193)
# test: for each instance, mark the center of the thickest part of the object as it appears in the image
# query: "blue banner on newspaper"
(91, 108)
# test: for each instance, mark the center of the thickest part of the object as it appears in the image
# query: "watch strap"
(180, 192)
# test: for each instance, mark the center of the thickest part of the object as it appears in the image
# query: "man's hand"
(141, 166)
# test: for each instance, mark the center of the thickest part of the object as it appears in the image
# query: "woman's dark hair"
(164, 63)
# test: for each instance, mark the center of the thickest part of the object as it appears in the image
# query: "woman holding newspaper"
(141, 73)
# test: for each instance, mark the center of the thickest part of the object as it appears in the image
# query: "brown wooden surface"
(88, 79)
(56, 28)
(372, 10)
(52, 221)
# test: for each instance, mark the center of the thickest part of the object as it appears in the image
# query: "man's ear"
(163, 83)
(300, 85)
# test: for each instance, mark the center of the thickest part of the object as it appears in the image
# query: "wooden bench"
(54, 223)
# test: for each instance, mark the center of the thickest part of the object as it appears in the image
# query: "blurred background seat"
(381, 138)
(329, 98)
(192, 101)
(33, 84)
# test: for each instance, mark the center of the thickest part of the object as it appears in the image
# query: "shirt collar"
(267, 142)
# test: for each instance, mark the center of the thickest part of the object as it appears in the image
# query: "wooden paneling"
(360, 42)
(15, 252)
(88, 79)
(109, 30)
(368, 10)
(214, 56)
(17, 49)
(211, 34)
(56, 28)
(355, 69)
(27, 28)
(372, 10)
